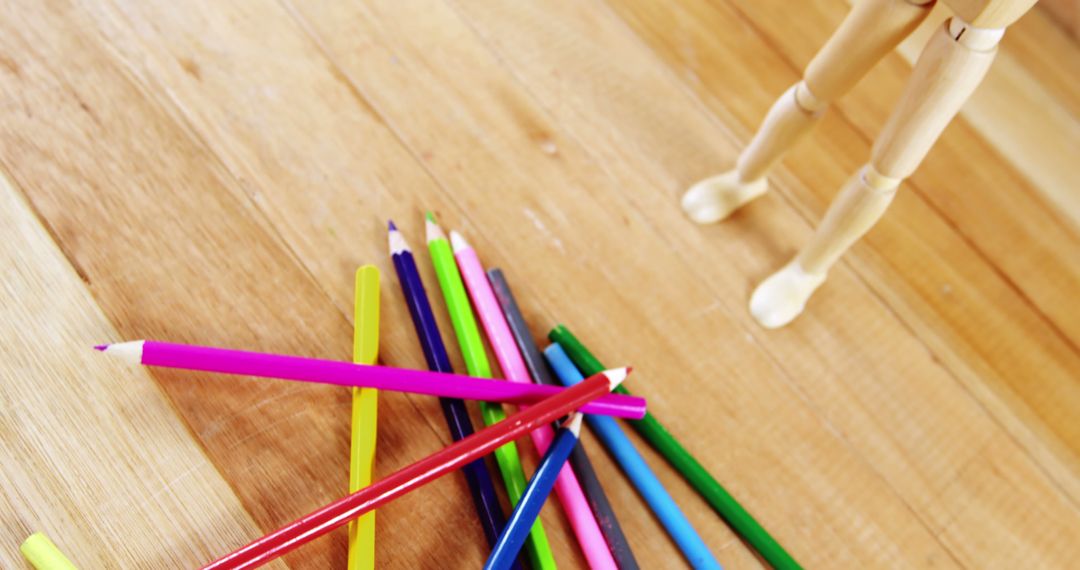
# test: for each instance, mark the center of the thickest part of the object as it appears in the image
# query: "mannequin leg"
(951, 66)
(871, 30)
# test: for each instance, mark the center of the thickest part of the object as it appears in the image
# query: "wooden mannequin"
(951, 65)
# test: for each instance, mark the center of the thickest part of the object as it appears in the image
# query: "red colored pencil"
(453, 457)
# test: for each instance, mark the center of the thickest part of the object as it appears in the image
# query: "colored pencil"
(644, 480)
(365, 408)
(266, 365)
(567, 488)
(457, 416)
(579, 460)
(537, 548)
(704, 483)
(42, 554)
(536, 493)
(449, 459)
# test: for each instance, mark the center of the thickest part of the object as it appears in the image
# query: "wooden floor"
(213, 172)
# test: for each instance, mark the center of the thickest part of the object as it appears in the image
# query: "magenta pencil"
(227, 361)
(567, 488)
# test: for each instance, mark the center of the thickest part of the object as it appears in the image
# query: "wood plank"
(92, 453)
(971, 317)
(169, 245)
(1064, 13)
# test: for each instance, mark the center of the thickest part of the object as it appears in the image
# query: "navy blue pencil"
(536, 493)
(579, 460)
(457, 417)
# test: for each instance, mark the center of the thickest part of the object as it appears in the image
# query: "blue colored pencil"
(579, 459)
(536, 493)
(457, 417)
(635, 468)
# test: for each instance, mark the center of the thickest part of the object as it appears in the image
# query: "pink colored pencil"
(226, 361)
(502, 342)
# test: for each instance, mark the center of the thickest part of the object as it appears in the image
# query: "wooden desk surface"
(213, 172)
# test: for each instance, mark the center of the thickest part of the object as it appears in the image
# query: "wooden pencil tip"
(432, 229)
(130, 351)
(457, 242)
(616, 376)
(390, 224)
(396, 241)
(430, 217)
(573, 423)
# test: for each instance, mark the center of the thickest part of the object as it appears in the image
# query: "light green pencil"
(537, 547)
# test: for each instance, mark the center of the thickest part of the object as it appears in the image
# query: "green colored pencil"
(537, 547)
(679, 458)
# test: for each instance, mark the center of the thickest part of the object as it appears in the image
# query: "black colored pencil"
(579, 460)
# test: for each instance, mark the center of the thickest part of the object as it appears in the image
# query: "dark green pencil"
(708, 487)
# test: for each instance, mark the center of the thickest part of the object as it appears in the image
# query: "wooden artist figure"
(951, 65)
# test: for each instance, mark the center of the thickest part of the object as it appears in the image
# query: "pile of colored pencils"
(549, 389)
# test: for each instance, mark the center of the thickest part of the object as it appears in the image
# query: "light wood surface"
(214, 172)
(93, 454)
(1065, 12)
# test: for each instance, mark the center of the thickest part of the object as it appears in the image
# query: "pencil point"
(130, 351)
(616, 376)
(391, 225)
(457, 242)
(430, 217)
(432, 229)
(573, 423)
(397, 241)
(101, 347)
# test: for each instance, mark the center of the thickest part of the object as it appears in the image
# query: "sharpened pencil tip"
(430, 216)
(457, 242)
(130, 351)
(396, 240)
(391, 226)
(573, 423)
(616, 376)
(432, 229)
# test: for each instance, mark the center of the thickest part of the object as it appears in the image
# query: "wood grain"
(91, 452)
(215, 171)
(1065, 13)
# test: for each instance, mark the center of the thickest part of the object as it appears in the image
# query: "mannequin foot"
(714, 199)
(781, 297)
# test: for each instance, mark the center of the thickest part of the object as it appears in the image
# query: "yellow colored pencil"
(365, 408)
(42, 554)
